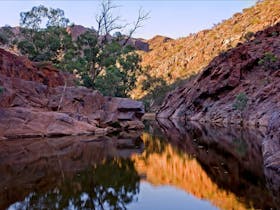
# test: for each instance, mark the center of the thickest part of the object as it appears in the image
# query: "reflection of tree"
(110, 185)
(240, 146)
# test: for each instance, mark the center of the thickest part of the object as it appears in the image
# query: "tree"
(111, 64)
(47, 42)
(34, 18)
(100, 60)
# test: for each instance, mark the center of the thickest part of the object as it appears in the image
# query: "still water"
(171, 165)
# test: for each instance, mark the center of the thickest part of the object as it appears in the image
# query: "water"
(171, 165)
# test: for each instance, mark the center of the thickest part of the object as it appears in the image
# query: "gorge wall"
(250, 69)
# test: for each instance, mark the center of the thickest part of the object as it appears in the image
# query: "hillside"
(178, 59)
(238, 86)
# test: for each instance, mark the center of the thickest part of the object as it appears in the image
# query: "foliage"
(240, 102)
(5, 34)
(240, 146)
(50, 44)
(270, 61)
(109, 65)
(249, 35)
(157, 89)
(34, 18)
(3, 38)
(1, 90)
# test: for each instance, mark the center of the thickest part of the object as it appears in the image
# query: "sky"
(172, 18)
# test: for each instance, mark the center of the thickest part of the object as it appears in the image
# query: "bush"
(3, 38)
(249, 35)
(270, 61)
(240, 102)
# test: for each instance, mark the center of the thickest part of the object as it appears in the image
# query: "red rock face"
(34, 103)
(245, 69)
(21, 67)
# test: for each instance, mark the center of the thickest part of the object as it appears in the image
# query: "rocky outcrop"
(178, 59)
(250, 70)
(15, 66)
(29, 108)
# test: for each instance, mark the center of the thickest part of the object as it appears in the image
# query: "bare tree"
(107, 22)
(142, 16)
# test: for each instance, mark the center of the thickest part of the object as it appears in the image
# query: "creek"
(170, 165)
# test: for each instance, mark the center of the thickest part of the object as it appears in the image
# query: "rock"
(271, 155)
(211, 95)
(29, 108)
(15, 66)
(21, 122)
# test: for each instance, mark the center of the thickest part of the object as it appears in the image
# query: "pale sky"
(175, 18)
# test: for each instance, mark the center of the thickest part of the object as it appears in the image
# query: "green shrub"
(3, 38)
(274, 33)
(240, 102)
(249, 35)
(270, 61)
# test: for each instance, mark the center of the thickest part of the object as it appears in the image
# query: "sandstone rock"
(20, 67)
(271, 154)
(210, 97)
(29, 108)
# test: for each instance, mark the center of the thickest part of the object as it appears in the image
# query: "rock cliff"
(249, 71)
(39, 100)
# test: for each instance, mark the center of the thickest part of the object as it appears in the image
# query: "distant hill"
(178, 59)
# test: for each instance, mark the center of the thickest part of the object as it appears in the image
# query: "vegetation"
(99, 60)
(157, 88)
(182, 57)
(270, 61)
(249, 35)
(1, 90)
(3, 38)
(240, 102)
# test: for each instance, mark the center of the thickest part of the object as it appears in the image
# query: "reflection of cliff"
(34, 167)
(223, 166)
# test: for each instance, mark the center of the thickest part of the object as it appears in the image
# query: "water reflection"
(221, 165)
(92, 188)
(69, 173)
